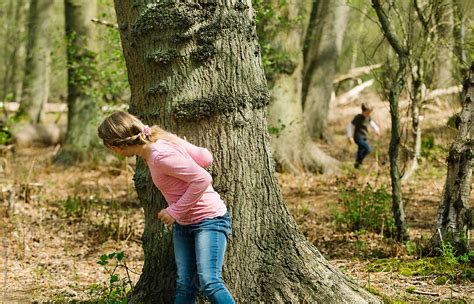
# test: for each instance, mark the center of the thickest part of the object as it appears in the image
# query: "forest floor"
(60, 222)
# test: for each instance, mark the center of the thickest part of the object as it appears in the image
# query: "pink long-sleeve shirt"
(178, 172)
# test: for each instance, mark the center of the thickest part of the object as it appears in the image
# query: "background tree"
(281, 28)
(327, 24)
(443, 27)
(394, 85)
(195, 69)
(81, 97)
(455, 218)
(38, 59)
(13, 49)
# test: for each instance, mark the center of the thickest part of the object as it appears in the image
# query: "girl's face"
(123, 151)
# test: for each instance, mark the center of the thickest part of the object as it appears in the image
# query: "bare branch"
(387, 29)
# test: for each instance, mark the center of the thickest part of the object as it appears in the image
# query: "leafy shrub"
(116, 289)
(366, 209)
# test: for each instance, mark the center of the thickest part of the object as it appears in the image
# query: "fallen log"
(356, 72)
(39, 135)
(353, 93)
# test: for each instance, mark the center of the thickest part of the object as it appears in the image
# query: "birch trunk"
(455, 212)
(195, 68)
(418, 89)
(38, 60)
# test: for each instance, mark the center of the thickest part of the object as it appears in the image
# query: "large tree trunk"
(291, 144)
(455, 213)
(38, 60)
(323, 42)
(81, 99)
(195, 69)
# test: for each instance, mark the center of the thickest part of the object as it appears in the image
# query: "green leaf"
(113, 278)
(120, 256)
(103, 259)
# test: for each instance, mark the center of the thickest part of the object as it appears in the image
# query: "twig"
(106, 23)
(435, 294)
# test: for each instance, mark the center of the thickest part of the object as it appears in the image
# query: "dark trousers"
(363, 148)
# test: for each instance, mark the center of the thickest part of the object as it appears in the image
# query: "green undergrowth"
(364, 208)
(443, 269)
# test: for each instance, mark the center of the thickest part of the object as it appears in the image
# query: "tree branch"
(387, 29)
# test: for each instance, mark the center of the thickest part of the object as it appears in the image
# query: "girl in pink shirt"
(201, 223)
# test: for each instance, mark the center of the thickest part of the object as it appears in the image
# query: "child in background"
(199, 216)
(360, 124)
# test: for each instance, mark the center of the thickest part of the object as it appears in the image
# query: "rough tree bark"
(81, 98)
(455, 213)
(323, 44)
(395, 87)
(38, 60)
(195, 68)
(291, 144)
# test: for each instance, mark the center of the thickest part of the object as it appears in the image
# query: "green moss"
(164, 15)
(213, 105)
(163, 57)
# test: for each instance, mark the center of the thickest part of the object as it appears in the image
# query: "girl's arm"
(176, 165)
(201, 156)
(374, 126)
(349, 130)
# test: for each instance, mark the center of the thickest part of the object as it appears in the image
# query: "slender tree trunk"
(324, 44)
(459, 31)
(82, 98)
(455, 213)
(195, 68)
(291, 144)
(38, 60)
(395, 87)
(394, 149)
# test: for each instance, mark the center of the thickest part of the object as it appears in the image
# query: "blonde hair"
(123, 129)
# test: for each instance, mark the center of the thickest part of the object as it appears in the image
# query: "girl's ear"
(116, 149)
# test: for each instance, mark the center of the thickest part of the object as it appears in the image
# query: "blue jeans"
(199, 253)
(363, 148)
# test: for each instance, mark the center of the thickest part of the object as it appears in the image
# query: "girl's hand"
(164, 216)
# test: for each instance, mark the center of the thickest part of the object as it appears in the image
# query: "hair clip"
(146, 130)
